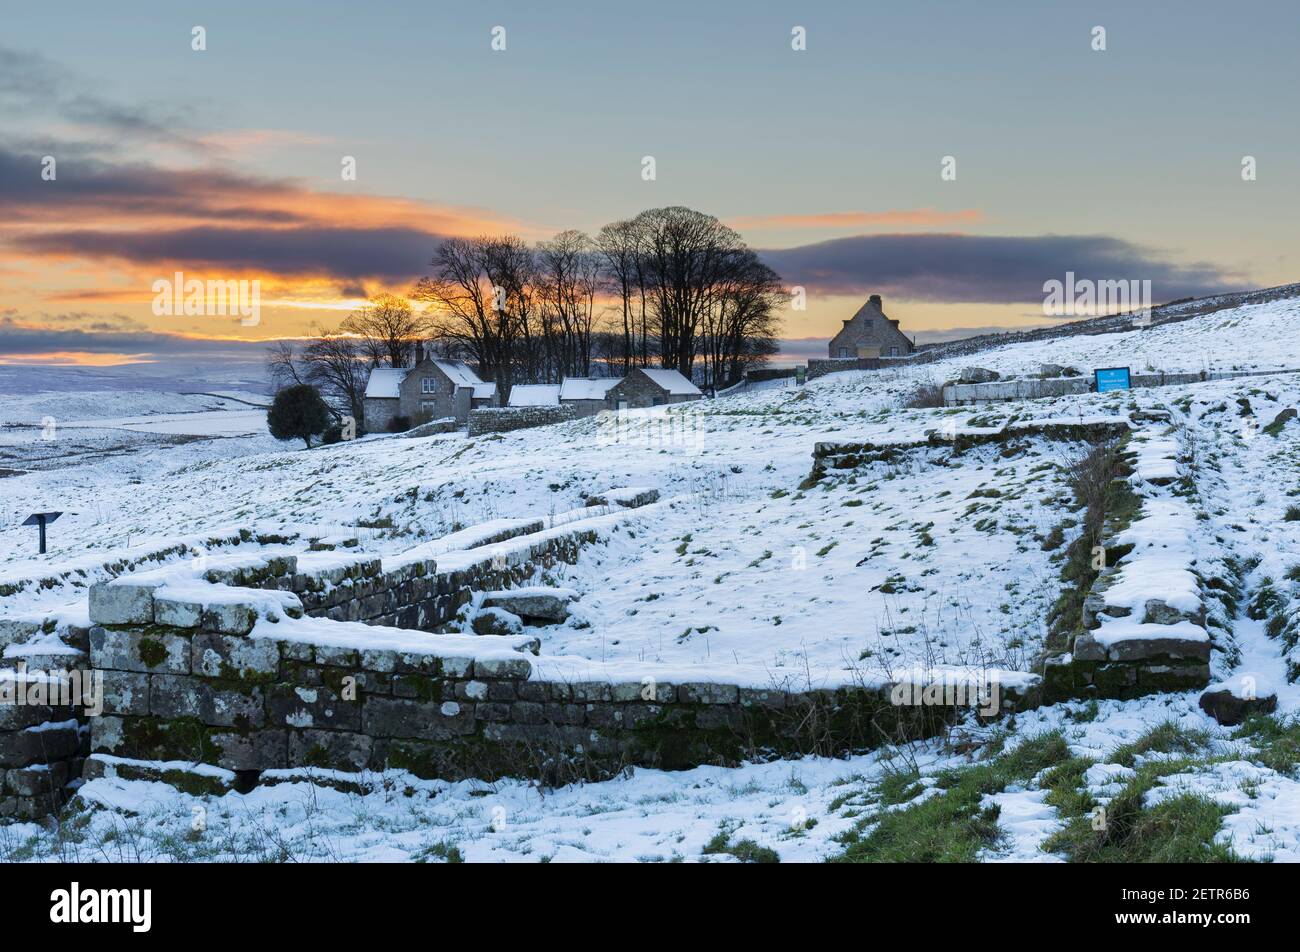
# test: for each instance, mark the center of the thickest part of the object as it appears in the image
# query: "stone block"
(177, 612)
(1140, 649)
(38, 745)
(336, 750)
(701, 692)
(121, 603)
(153, 651)
(126, 692)
(255, 750)
(421, 720)
(1087, 648)
(215, 703)
(40, 780)
(311, 707)
(762, 697)
(229, 618)
(230, 656)
(550, 607)
(518, 668)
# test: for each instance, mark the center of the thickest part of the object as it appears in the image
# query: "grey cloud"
(985, 269)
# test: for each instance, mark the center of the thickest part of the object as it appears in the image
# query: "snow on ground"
(918, 560)
(651, 815)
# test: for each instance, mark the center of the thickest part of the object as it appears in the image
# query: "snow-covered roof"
(535, 395)
(672, 381)
(386, 381)
(485, 391)
(580, 388)
(458, 372)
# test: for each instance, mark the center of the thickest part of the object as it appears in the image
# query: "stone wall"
(504, 419)
(829, 457)
(432, 428)
(418, 594)
(253, 703)
(1127, 647)
(1032, 388)
(43, 741)
(820, 366)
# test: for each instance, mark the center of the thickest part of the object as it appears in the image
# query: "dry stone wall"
(43, 742)
(1144, 617)
(252, 703)
(505, 419)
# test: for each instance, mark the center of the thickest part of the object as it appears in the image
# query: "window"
(893, 352)
(844, 352)
(427, 406)
(426, 385)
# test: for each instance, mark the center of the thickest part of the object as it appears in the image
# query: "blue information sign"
(1111, 378)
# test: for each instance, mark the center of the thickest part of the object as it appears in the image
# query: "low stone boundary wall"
(820, 366)
(1032, 388)
(252, 702)
(432, 428)
(505, 419)
(828, 457)
(421, 593)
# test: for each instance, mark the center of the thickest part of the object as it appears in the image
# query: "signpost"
(41, 520)
(1110, 378)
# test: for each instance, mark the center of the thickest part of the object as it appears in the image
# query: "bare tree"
(284, 365)
(389, 329)
(681, 286)
(687, 255)
(740, 328)
(481, 299)
(619, 245)
(568, 275)
(338, 367)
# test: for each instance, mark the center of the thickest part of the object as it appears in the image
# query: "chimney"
(874, 301)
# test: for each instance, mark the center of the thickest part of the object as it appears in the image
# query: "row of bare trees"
(672, 287)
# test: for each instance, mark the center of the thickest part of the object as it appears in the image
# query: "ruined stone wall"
(417, 595)
(829, 457)
(43, 743)
(505, 419)
(245, 703)
(1167, 649)
(1032, 388)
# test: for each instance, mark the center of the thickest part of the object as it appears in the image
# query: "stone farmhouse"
(586, 396)
(534, 395)
(870, 333)
(650, 387)
(431, 390)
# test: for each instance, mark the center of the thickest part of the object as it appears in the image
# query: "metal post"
(41, 524)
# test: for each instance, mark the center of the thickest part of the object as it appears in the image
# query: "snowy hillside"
(921, 558)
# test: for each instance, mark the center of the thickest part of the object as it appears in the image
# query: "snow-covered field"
(919, 560)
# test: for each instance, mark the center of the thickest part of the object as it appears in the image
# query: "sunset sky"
(225, 163)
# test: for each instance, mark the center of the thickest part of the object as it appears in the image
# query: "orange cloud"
(73, 358)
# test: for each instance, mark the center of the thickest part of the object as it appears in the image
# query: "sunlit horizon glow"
(225, 165)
